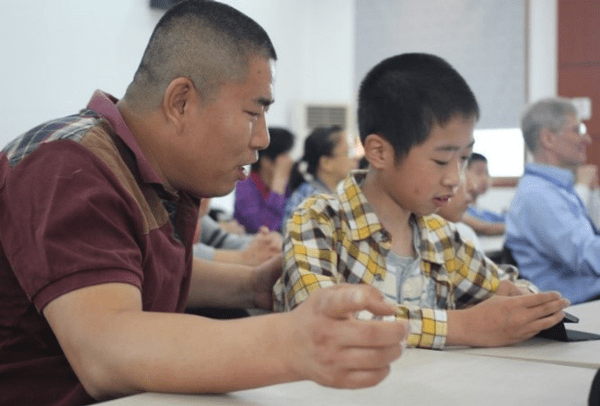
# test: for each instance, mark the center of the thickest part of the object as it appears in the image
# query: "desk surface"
(419, 377)
(585, 354)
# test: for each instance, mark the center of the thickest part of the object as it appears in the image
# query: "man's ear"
(179, 97)
(546, 138)
(377, 151)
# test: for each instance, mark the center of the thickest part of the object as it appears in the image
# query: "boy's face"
(478, 170)
(460, 202)
(429, 175)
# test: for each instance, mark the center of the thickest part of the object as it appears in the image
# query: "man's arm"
(218, 284)
(562, 232)
(116, 349)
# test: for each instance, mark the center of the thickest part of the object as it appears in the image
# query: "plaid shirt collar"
(365, 224)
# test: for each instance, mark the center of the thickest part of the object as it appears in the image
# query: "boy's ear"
(377, 151)
(177, 101)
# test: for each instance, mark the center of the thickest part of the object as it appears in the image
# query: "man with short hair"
(549, 233)
(97, 217)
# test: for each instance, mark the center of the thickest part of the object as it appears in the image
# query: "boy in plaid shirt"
(416, 118)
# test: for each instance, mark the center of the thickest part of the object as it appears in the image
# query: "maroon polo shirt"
(79, 206)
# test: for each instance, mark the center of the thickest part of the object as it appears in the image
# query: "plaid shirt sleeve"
(511, 273)
(309, 257)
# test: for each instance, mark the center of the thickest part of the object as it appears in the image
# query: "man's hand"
(233, 227)
(330, 346)
(505, 320)
(588, 175)
(263, 246)
(263, 278)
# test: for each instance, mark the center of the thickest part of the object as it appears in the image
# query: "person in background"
(260, 200)
(586, 185)
(98, 212)
(454, 210)
(213, 243)
(326, 161)
(485, 222)
(548, 231)
(416, 117)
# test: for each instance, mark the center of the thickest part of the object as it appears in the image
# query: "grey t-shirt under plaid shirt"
(404, 282)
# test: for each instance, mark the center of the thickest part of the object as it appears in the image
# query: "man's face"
(571, 144)
(429, 175)
(226, 133)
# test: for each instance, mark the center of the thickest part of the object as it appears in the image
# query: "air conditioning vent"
(309, 115)
(321, 116)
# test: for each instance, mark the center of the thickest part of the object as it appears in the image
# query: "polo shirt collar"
(105, 106)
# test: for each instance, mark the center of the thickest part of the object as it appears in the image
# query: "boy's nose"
(454, 175)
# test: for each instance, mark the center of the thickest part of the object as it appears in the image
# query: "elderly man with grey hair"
(549, 232)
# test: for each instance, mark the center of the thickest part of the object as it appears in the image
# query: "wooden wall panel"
(579, 60)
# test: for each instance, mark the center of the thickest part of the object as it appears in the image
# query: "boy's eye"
(441, 163)
(253, 114)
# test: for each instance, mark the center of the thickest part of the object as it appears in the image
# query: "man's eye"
(253, 114)
(440, 163)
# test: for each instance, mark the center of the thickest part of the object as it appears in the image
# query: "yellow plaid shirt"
(336, 239)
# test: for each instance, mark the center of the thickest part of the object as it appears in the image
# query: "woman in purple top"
(260, 200)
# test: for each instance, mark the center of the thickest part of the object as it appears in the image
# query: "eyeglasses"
(580, 129)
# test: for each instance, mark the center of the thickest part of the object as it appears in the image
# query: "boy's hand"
(505, 320)
(331, 347)
(508, 288)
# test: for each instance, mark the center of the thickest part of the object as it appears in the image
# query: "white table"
(584, 354)
(419, 377)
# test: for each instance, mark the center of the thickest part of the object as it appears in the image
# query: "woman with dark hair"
(326, 161)
(260, 199)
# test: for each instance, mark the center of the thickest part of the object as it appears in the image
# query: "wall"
(541, 31)
(56, 53)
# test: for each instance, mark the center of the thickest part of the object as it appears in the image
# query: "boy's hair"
(404, 96)
(209, 42)
(281, 141)
(476, 157)
(320, 142)
(548, 113)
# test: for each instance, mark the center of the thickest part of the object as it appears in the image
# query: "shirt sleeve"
(252, 211)
(70, 224)
(309, 259)
(215, 236)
